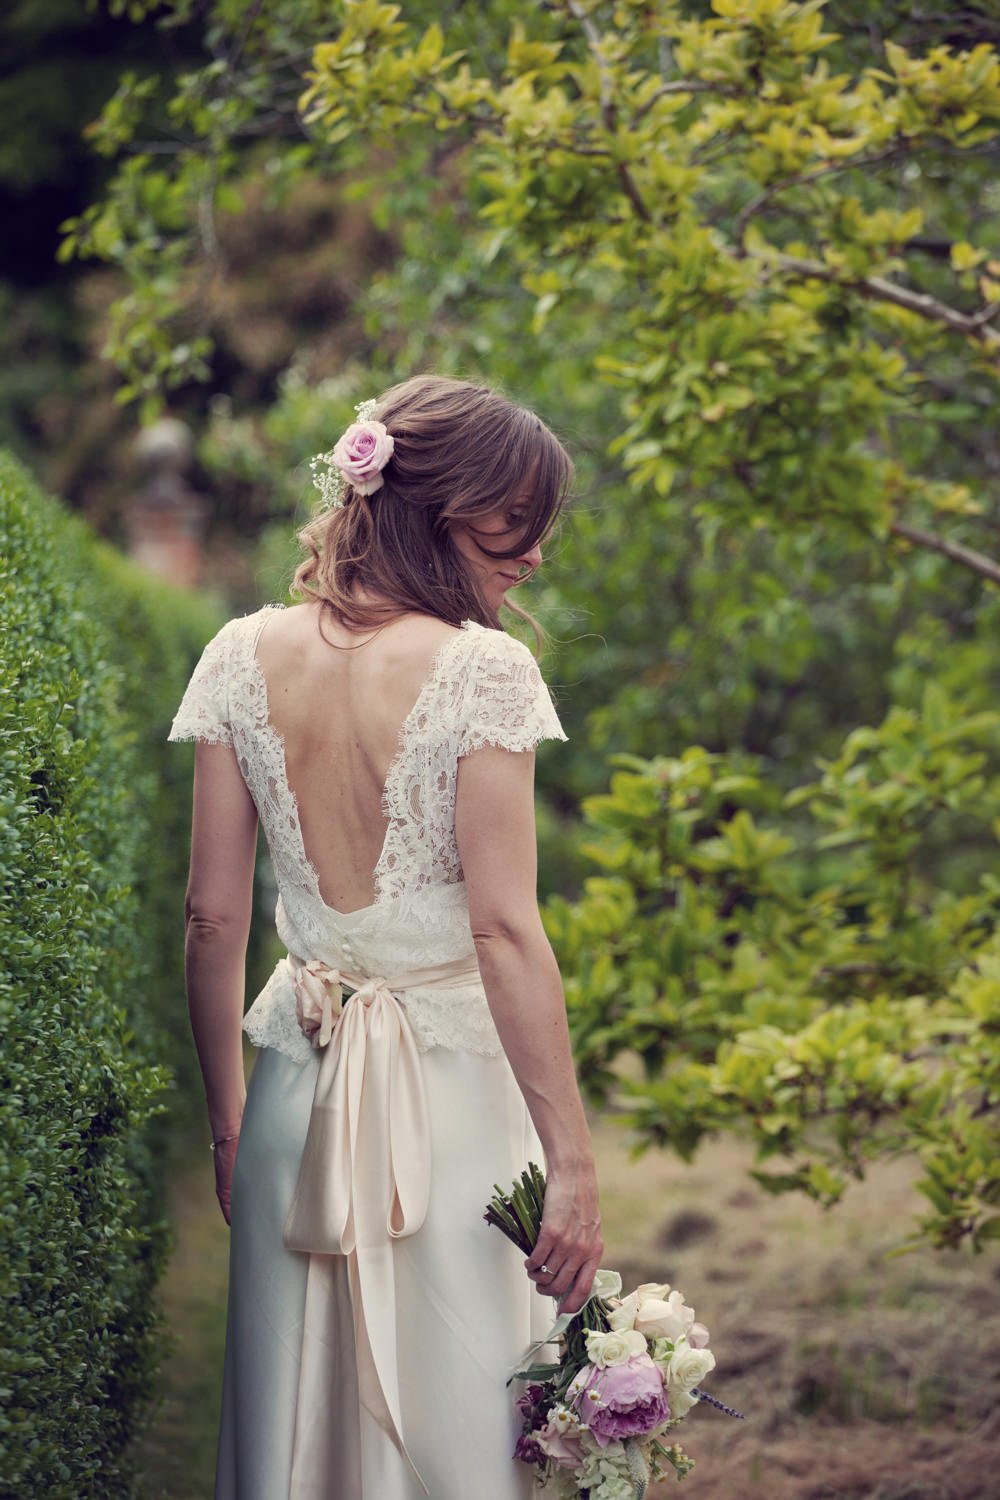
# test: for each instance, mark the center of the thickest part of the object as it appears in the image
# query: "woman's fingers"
(548, 1272)
(569, 1243)
(564, 1277)
(577, 1268)
(548, 1252)
(582, 1283)
(560, 1272)
(542, 1255)
(571, 1280)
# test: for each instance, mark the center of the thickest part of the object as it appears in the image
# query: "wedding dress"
(372, 1364)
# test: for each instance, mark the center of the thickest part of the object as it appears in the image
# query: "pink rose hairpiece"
(357, 458)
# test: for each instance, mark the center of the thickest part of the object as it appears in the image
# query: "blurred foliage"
(61, 60)
(740, 255)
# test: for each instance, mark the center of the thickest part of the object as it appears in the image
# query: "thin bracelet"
(222, 1139)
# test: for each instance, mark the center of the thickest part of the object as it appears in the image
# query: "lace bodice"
(482, 688)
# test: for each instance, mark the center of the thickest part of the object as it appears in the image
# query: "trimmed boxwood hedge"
(94, 839)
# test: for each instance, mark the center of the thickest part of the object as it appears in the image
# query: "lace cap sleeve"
(506, 702)
(203, 713)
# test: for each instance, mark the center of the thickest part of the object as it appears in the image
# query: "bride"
(413, 1041)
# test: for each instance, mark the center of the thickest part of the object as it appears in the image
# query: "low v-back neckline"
(265, 726)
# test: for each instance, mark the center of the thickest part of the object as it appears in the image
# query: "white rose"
(687, 1368)
(623, 1316)
(668, 1319)
(681, 1403)
(614, 1348)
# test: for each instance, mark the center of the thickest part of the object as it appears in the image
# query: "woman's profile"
(413, 1041)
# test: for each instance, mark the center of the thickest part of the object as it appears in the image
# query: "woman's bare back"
(339, 710)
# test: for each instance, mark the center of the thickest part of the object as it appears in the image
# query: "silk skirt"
(465, 1309)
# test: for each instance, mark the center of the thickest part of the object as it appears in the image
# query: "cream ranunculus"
(668, 1319)
(614, 1348)
(687, 1368)
(622, 1317)
(657, 1289)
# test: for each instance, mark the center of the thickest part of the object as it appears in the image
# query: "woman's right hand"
(569, 1242)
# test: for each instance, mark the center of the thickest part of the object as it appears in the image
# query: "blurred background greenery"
(744, 258)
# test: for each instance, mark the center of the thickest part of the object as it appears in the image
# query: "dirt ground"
(862, 1376)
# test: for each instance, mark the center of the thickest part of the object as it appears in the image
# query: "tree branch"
(763, 199)
(608, 111)
(955, 551)
(683, 86)
(972, 325)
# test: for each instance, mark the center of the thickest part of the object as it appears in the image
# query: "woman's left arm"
(217, 909)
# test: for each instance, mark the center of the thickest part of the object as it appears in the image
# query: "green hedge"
(94, 824)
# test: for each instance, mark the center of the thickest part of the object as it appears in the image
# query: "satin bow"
(364, 1177)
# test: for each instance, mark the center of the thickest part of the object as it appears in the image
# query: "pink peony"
(620, 1401)
(362, 453)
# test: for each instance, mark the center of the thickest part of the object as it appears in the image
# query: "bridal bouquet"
(597, 1420)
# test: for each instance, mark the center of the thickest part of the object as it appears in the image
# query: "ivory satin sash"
(363, 1181)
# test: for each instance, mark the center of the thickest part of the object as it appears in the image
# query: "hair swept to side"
(460, 452)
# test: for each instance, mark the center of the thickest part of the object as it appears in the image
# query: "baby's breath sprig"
(328, 480)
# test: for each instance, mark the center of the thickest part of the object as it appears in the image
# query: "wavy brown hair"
(461, 452)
